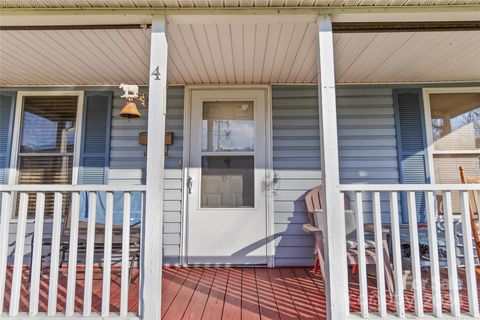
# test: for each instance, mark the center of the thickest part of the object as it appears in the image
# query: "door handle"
(189, 185)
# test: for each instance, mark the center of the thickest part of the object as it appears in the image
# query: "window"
(46, 143)
(228, 179)
(455, 125)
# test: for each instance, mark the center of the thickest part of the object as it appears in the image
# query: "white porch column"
(151, 266)
(336, 284)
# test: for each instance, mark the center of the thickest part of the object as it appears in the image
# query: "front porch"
(345, 103)
(229, 293)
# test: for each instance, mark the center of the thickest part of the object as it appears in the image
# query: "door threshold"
(225, 265)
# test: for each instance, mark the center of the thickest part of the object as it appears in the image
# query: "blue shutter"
(7, 103)
(95, 151)
(411, 144)
(95, 145)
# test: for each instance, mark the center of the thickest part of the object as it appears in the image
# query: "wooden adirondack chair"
(474, 205)
(313, 204)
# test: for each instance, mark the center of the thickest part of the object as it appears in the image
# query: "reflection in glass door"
(227, 179)
(226, 218)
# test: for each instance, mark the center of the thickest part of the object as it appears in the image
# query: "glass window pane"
(228, 126)
(227, 182)
(48, 124)
(447, 171)
(45, 170)
(455, 121)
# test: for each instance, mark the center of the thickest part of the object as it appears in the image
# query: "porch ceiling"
(235, 52)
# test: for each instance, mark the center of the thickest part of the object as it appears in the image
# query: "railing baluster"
(362, 268)
(4, 228)
(415, 253)
(36, 254)
(397, 254)
(377, 224)
(55, 252)
(125, 254)
(72, 254)
(468, 252)
(434, 260)
(107, 256)
(451, 254)
(90, 253)
(345, 281)
(19, 251)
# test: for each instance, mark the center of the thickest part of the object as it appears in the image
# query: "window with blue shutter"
(7, 104)
(411, 144)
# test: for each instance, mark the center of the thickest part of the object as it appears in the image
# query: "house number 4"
(156, 73)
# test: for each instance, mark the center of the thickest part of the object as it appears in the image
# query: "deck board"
(232, 308)
(216, 297)
(227, 293)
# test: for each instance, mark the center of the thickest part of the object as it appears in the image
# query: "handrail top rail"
(70, 188)
(409, 187)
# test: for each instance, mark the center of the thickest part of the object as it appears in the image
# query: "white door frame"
(268, 164)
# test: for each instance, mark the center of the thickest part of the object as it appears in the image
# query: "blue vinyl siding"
(128, 162)
(367, 151)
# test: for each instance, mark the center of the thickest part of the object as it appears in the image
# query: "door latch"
(189, 185)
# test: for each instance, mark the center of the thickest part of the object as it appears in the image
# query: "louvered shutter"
(95, 155)
(95, 150)
(411, 144)
(7, 104)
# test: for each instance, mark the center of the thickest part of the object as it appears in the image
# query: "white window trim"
(428, 124)
(13, 170)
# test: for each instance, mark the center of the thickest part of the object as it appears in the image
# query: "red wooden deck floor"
(227, 293)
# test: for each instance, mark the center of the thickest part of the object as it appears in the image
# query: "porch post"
(151, 266)
(336, 284)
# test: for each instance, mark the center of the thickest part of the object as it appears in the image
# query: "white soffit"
(235, 53)
(74, 57)
(407, 57)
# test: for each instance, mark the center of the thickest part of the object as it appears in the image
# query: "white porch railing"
(17, 196)
(382, 202)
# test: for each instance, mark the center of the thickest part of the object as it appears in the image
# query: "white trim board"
(428, 121)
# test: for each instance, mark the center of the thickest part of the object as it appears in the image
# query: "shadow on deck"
(229, 293)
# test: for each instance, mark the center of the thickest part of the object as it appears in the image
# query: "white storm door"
(226, 219)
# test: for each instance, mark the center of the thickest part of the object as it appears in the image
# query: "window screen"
(47, 142)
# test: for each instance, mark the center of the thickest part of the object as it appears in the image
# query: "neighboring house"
(237, 83)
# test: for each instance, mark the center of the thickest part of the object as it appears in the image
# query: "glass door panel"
(228, 135)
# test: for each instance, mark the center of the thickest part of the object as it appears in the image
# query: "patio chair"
(474, 205)
(313, 206)
(116, 250)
